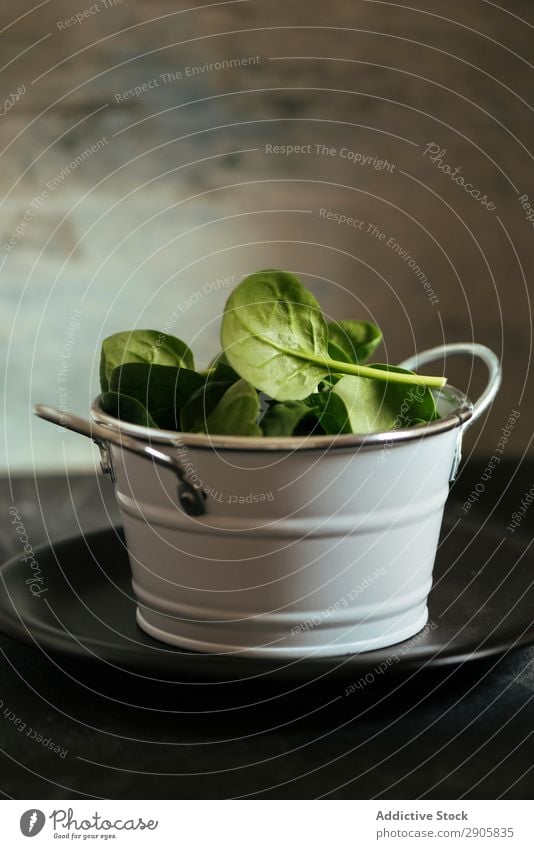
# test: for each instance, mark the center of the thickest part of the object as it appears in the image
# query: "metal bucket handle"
(470, 349)
(191, 498)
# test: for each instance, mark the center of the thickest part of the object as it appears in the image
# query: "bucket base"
(154, 625)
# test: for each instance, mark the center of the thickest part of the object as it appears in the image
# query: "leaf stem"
(338, 367)
(382, 374)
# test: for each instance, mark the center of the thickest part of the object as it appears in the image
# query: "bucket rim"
(458, 417)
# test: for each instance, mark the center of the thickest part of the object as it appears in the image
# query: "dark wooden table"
(67, 732)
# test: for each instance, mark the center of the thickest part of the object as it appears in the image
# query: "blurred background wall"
(152, 154)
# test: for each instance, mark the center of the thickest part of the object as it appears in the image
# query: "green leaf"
(237, 412)
(276, 343)
(337, 353)
(331, 411)
(126, 409)
(220, 369)
(274, 335)
(223, 408)
(373, 407)
(195, 412)
(141, 346)
(356, 340)
(163, 390)
(286, 417)
(271, 326)
(415, 403)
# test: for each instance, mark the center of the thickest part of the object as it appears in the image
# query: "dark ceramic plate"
(482, 604)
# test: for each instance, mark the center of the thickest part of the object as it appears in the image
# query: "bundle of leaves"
(283, 370)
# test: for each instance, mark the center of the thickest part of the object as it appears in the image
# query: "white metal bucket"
(319, 545)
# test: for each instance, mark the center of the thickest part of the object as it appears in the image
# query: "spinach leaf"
(278, 353)
(237, 412)
(163, 390)
(337, 353)
(271, 328)
(141, 346)
(373, 407)
(275, 336)
(195, 413)
(355, 340)
(323, 412)
(223, 408)
(415, 403)
(331, 411)
(287, 418)
(220, 369)
(126, 409)
(353, 405)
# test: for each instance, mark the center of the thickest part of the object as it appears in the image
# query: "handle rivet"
(191, 500)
